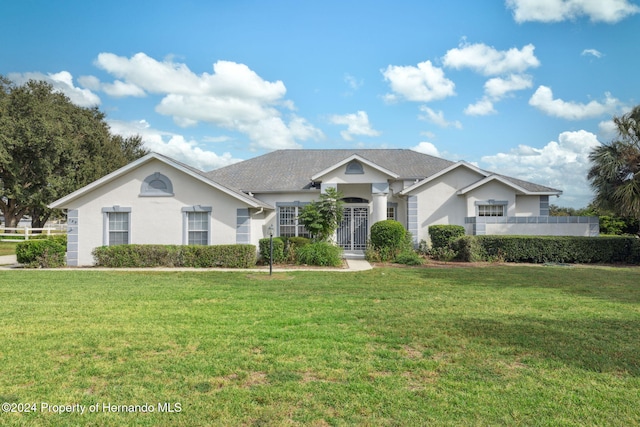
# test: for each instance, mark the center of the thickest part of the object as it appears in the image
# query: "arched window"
(354, 200)
(354, 167)
(156, 185)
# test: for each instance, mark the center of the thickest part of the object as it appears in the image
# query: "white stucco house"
(158, 200)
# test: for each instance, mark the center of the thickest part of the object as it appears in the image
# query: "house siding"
(154, 220)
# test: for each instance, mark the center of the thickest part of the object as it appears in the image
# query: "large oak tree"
(50, 147)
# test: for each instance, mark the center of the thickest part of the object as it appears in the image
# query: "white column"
(379, 208)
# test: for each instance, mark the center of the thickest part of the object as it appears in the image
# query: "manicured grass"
(499, 345)
(7, 248)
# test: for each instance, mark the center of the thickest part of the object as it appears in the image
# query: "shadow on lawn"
(598, 345)
(616, 285)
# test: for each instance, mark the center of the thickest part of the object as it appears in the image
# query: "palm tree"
(615, 170)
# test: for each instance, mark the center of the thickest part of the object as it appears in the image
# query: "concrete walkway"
(9, 262)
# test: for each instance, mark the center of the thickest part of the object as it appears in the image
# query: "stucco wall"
(153, 220)
(438, 202)
(491, 191)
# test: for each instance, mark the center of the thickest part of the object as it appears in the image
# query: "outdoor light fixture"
(270, 249)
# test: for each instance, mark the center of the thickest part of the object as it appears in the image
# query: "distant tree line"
(50, 147)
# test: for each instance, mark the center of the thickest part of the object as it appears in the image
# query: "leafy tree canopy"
(323, 217)
(50, 147)
(615, 168)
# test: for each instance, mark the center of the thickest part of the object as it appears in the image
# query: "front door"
(353, 230)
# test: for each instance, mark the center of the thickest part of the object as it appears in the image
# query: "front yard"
(494, 345)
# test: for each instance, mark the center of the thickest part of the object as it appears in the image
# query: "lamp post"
(270, 249)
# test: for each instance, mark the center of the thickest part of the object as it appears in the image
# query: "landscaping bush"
(540, 249)
(42, 253)
(388, 239)
(199, 256)
(408, 257)
(278, 250)
(442, 235)
(319, 253)
(291, 244)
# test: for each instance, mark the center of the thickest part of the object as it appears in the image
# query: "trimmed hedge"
(198, 256)
(278, 250)
(319, 253)
(541, 249)
(43, 252)
(442, 235)
(387, 239)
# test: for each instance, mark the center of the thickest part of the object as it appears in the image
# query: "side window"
(196, 225)
(117, 226)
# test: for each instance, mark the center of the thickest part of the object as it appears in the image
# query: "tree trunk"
(12, 214)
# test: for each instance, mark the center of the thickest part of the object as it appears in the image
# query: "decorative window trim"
(185, 221)
(105, 222)
(156, 185)
(354, 167)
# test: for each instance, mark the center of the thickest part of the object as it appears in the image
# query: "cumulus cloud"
(483, 107)
(357, 124)
(172, 145)
(499, 87)
(426, 148)
(489, 61)
(422, 83)
(437, 118)
(609, 11)
(233, 97)
(561, 164)
(62, 82)
(543, 100)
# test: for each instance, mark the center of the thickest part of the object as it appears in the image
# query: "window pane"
(491, 210)
(118, 228)
(198, 228)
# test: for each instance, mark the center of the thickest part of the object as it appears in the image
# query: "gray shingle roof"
(291, 170)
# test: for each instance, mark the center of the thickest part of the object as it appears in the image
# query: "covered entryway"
(354, 229)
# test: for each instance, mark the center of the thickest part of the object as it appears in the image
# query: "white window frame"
(491, 208)
(106, 224)
(299, 229)
(185, 223)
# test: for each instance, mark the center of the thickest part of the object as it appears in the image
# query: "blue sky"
(525, 88)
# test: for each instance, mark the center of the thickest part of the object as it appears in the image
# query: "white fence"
(20, 234)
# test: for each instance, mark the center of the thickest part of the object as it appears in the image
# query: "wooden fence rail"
(20, 234)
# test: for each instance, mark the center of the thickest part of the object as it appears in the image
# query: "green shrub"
(320, 253)
(290, 247)
(199, 256)
(42, 253)
(444, 254)
(388, 238)
(278, 250)
(541, 249)
(442, 235)
(408, 257)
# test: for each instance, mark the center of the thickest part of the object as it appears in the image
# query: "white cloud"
(592, 52)
(437, 118)
(172, 145)
(63, 82)
(543, 100)
(423, 83)
(563, 165)
(609, 11)
(352, 82)
(483, 107)
(234, 97)
(489, 61)
(357, 124)
(499, 87)
(426, 148)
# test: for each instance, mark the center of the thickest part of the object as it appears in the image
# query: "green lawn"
(499, 345)
(7, 248)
